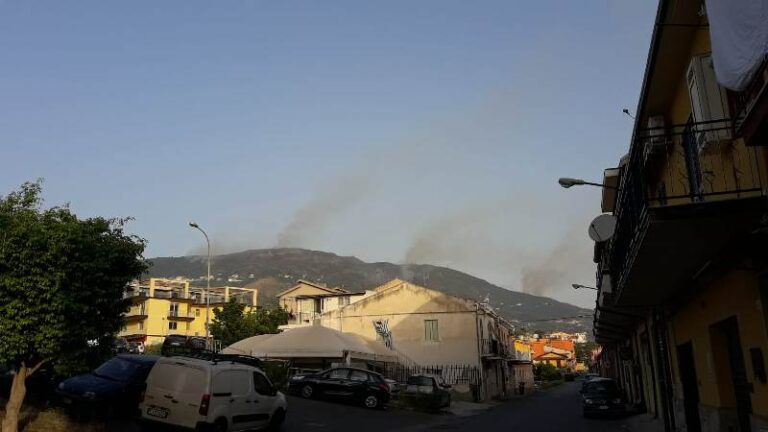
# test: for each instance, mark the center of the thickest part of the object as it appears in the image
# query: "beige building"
(306, 301)
(430, 328)
(162, 307)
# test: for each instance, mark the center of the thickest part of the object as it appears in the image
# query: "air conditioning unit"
(709, 104)
(656, 139)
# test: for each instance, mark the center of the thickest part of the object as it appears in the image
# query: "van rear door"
(174, 392)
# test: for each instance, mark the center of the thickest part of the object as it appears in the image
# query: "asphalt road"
(558, 408)
(554, 409)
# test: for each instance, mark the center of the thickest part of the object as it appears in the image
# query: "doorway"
(728, 330)
(687, 368)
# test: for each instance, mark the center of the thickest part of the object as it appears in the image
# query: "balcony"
(173, 295)
(181, 316)
(686, 192)
(751, 109)
(492, 349)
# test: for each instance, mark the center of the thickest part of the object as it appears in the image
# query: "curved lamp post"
(207, 281)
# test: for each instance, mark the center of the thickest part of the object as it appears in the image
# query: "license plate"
(157, 412)
(603, 406)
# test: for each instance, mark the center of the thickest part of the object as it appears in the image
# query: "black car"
(115, 387)
(350, 384)
(601, 396)
(178, 344)
(428, 391)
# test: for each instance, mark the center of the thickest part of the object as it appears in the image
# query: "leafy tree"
(546, 372)
(61, 285)
(231, 323)
(584, 352)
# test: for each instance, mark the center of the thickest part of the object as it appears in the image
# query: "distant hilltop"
(273, 270)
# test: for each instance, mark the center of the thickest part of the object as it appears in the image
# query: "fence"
(451, 374)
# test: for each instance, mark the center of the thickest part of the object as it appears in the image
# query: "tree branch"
(37, 366)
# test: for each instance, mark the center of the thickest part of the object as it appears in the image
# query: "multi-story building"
(162, 307)
(307, 301)
(560, 353)
(682, 307)
(430, 328)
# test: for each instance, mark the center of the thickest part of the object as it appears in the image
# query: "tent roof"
(312, 341)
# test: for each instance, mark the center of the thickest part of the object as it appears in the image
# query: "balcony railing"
(170, 295)
(181, 315)
(694, 163)
(304, 317)
(494, 348)
(744, 101)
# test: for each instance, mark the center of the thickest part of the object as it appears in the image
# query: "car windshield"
(118, 369)
(607, 387)
(421, 381)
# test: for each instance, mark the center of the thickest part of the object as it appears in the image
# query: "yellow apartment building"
(682, 307)
(162, 307)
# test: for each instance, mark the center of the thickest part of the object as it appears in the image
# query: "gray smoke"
(556, 272)
(313, 216)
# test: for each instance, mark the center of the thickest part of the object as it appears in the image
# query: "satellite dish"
(602, 228)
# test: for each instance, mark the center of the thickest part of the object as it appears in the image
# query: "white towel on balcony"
(739, 33)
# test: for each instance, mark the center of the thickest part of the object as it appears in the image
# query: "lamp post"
(580, 286)
(207, 281)
(567, 182)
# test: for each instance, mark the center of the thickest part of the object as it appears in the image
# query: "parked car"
(113, 388)
(394, 387)
(354, 385)
(179, 344)
(601, 396)
(428, 391)
(121, 346)
(218, 392)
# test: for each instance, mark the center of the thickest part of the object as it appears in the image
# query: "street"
(558, 408)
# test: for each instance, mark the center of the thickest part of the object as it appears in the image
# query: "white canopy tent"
(313, 342)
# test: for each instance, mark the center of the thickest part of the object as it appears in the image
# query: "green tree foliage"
(546, 372)
(584, 352)
(61, 285)
(232, 323)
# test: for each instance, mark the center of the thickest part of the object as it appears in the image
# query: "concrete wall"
(734, 294)
(405, 307)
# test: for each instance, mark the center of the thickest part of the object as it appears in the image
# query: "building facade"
(430, 328)
(162, 307)
(682, 307)
(307, 301)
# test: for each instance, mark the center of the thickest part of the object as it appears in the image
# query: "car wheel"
(220, 425)
(277, 420)
(307, 391)
(371, 401)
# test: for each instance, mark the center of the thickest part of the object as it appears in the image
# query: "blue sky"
(428, 131)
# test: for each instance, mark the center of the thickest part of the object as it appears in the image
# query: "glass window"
(357, 375)
(141, 325)
(261, 384)
(430, 331)
(339, 374)
(172, 325)
(118, 369)
(197, 312)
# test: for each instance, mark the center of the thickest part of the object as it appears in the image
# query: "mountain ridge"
(273, 270)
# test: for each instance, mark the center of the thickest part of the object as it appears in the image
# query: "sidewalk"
(467, 409)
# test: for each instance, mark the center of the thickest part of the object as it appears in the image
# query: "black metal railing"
(692, 163)
(742, 101)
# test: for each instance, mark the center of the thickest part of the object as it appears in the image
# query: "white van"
(220, 393)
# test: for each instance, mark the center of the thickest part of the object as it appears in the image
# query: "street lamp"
(207, 281)
(567, 182)
(580, 286)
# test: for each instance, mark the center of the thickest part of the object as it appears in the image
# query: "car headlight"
(89, 395)
(616, 400)
(589, 401)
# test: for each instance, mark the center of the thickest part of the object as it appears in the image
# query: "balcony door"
(690, 386)
(691, 149)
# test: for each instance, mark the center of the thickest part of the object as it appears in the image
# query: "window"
(197, 312)
(261, 384)
(141, 325)
(174, 310)
(357, 375)
(430, 331)
(172, 325)
(339, 374)
(343, 301)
